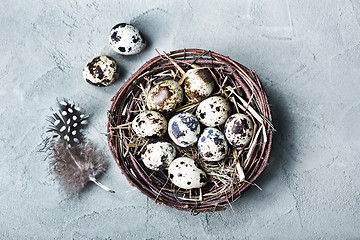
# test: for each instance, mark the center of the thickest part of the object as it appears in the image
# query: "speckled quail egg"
(165, 96)
(213, 111)
(184, 129)
(149, 124)
(101, 71)
(198, 84)
(184, 173)
(239, 130)
(212, 145)
(158, 154)
(126, 39)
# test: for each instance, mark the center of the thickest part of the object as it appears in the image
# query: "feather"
(68, 124)
(73, 161)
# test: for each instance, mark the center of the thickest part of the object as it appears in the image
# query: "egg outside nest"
(102, 71)
(126, 39)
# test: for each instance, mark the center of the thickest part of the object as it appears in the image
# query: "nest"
(229, 178)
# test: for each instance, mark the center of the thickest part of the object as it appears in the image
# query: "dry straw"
(229, 178)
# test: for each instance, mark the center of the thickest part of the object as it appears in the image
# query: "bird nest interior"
(228, 178)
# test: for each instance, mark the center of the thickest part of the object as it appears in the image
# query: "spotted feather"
(73, 160)
(68, 123)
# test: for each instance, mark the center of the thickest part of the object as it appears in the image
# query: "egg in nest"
(212, 145)
(198, 84)
(239, 129)
(158, 154)
(185, 173)
(149, 124)
(213, 111)
(165, 96)
(184, 129)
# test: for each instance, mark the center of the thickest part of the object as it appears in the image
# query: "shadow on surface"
(282, 142)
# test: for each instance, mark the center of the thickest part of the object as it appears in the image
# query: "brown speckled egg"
(198, 84)
(213, 111)
(212, 145)
(158, 154)
(239, 129)
(184, 173)
(165, 96)
(101, 71)
(149, 124)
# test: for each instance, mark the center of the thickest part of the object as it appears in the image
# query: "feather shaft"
(94, 180)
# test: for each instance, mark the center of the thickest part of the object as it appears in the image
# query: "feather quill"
(73, 161)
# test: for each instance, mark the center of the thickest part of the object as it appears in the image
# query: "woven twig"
(242, 86)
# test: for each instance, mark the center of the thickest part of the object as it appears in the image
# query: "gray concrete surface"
(307, 54)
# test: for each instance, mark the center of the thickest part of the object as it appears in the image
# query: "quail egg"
(212, 145)
(239, 130)
(184, 173)
(184, 129)
(126, 39)
(101, 71)
(198, 84)
(165, 96)
(213, 111)
(158, 154)
(149, 124)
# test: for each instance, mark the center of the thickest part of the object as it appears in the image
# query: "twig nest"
(165, 96)
(212, 145)
(181, 185)
(198, 84)
(158, 154)
(184, 173)
(239, 129)
(213, 111)
(101, 71)
(149, 124)
(184, 129)
(126, 39)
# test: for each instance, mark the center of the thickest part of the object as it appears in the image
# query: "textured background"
(307, 55)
